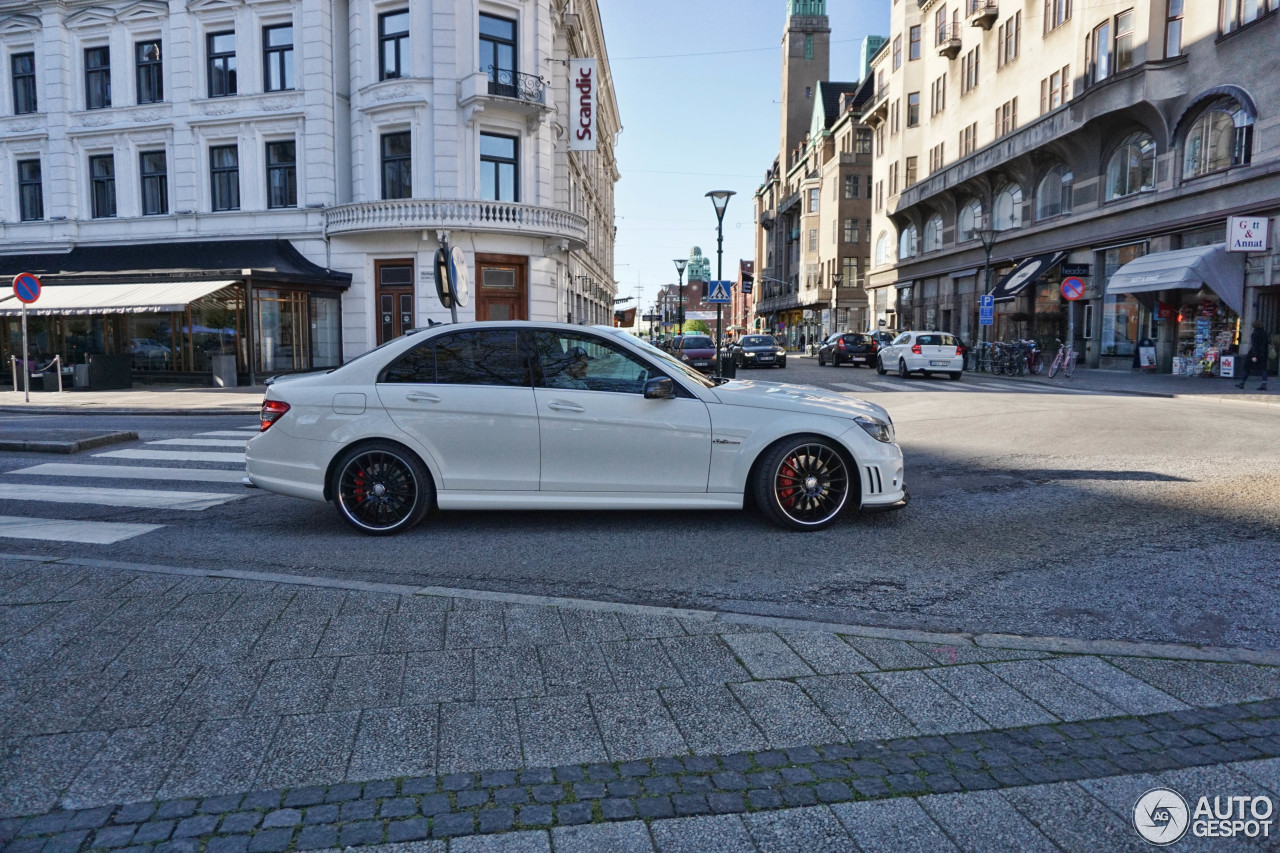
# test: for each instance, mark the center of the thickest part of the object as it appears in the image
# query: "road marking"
(253, 428)
(62, 530)
(230, 433)
(142, 498)
(203, 442)
(174, 455)
(849, 386)
(127, 472)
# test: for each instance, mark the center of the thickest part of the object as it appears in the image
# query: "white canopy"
(1212, 266)
(141, 298)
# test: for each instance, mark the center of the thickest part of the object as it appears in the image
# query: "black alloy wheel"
(802, 483)
(381, 488)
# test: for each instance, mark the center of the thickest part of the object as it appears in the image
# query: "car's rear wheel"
(381, 488)
(902, 368)
(955, 375)
(822, 360)
(802, 483)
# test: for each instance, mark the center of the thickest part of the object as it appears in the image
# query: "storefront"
(259, 304)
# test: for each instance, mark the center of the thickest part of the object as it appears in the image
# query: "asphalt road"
(1040, 513)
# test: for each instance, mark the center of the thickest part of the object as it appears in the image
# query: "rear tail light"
(916, 349)
(961, 349)
(272, 411)
(840, 344)
(875, 345)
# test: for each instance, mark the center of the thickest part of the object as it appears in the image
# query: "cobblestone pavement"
(176, 711)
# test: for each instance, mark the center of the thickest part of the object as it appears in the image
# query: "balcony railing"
(949, 41)
(983, 13)
(513, 84)
(470, 215)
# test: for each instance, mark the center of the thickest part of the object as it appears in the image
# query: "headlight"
(684, 357)
(748, 355)
(876, 428)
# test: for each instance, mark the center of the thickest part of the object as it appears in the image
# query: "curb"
(68, 446)
(73, 410)
(1063, 645)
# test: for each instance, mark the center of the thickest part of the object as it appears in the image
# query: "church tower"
(806, 60)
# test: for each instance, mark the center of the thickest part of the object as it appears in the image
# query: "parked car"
(849, 347)
(696, 350)
(465, 416)
(922, 352)
(758, 351)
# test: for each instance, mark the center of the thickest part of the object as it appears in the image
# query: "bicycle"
(1065, 361)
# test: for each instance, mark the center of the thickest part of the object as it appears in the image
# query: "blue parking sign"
(986, 310)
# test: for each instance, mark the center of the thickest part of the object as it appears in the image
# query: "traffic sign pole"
(27, 288)
(26, 368)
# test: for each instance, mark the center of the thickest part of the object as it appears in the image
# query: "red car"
(697, 351)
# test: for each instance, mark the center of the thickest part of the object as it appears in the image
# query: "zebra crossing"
(150, 486)
(968, 386)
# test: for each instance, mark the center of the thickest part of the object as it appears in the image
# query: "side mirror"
(659, 389)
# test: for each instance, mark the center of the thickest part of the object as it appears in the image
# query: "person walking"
(1256, 360)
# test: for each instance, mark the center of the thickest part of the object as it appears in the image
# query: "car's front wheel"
(381, 488)
(802, 483)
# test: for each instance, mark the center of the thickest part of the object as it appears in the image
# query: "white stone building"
(308, 156)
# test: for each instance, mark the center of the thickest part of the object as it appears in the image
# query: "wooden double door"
(502, 287)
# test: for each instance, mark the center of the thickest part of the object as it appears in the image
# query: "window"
(1123, 55)
(490, 357)
(1009, 40)
(935, 158)
(584, 362)
(393, 44)
(282, 174)
(498, 54)
(1219, 139)
(499, 172)
(867, 229)
(1053, 90)
(1237, 13)
(862, 141)
(808, 51)
(397, 175)
(940, 25)
(897, 52)
(23, 68)
(969, 72)
(813, 239)
(277, 58)
(835, 231)
(909, 176)
(1131, 168)
(882, 249)
(814, 199)
(851, 231)
(149, 72)
(852, 186)
(222, 64)
(849, 269)
(1056, 13)
(879, 194)
(97, 78)
(938, 99)
(155, 183)
(880, 140)
(968, 139)
(913, 52)
(30, 191)
(1173, 30)
(913, 109)
(1100, 55)
(893, 178)
(969, 220)
(224, 177)
(1006, 117)
(933, 234)
(907, 243)
(102, 183)
(1053, 194)
(1007, 208)
(894, 114)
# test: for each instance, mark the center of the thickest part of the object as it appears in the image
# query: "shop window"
(149, 71)
(283, 339)
(153, 171)
(224, 177)
(907, 242)
(277, 58)
(102, 181)
(1220, 138)
(969, 220)
(1124, 319)
(23, 70)
(933, 234)
(1053, 194)
(97, 78)
(1131, 168)
(221, 49)
(30, 191)
(499, 168)
(393, 45)
(1007, 208)
(397, 172)
(326, 333)
(282, 174)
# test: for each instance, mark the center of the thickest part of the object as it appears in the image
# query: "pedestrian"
(1256, 360)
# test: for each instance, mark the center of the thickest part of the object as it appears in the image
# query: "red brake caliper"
(360, 486)
(786, 494)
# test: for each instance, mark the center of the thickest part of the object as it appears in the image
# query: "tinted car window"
(928, 340)
(854, 340)
(489, 357)
(574, 361)
(417, 365)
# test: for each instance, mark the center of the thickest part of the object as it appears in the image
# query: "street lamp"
(987, 235)
(836, 278)
(681, 263)
(720, 199)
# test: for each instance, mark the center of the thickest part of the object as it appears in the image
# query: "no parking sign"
(1072, 288)
(27, 288)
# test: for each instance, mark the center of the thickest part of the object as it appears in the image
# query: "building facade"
(354, 138)
(1074, 139)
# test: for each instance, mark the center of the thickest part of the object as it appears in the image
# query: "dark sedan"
(849, 348)
(758, 351)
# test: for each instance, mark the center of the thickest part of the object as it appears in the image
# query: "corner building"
(296, 163)
(1085, 136)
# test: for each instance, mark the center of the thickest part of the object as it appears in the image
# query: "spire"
(806, 7)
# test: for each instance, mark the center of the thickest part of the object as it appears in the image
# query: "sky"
(698, 85)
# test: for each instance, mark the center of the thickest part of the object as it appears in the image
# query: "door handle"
(422, 398)
(565, 407)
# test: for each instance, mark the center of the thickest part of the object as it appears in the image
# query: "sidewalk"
(145, 399)
(159, 709)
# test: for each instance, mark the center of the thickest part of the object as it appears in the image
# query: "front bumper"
(890, 507)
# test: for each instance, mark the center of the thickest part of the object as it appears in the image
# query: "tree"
(697, 326)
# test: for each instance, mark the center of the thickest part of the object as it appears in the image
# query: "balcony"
(949, 41)
(767, 219)
(513, 84)
(983, 13)
(457, 214)
(500, 90)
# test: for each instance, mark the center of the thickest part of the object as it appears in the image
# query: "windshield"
(696, 343)
(758, 341)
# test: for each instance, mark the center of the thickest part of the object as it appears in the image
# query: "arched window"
(933, 234)
(882, 249)
(1008, 208)
(1221, 138)
(1132, 167)
(969, 221)
(908, 242)
(1053, 194)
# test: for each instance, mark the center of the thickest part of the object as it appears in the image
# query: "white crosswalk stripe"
(201, 442)
(173, 455)
(227, 433)
(144, 498)
(130, 472)
(64, 530)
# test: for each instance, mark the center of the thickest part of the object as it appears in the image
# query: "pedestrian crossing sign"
(718, 292)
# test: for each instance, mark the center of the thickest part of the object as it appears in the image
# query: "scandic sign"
(582, 83)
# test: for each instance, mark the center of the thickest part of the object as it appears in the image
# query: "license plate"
(936, 363)
(702, 364)
(857, 358)
(767, 358)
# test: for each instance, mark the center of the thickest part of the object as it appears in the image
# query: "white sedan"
(922, 352)
(536, 416)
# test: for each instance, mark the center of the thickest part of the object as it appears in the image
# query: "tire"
(822, 362)
(880, 368)
(903, 373)
(1053, 368)
(803, 483)
(407, 490)
(1069, 369)
(956, 375)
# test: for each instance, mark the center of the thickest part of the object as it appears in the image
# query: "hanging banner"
(582, 85)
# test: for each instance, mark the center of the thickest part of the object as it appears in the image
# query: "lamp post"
(836, 279)
(987, 235)
(681, 263)
(720, 199)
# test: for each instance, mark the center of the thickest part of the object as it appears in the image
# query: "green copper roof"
(806, 7)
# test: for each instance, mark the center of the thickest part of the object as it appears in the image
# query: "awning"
(141, 298)
(1185, 269)
(1027, 271)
